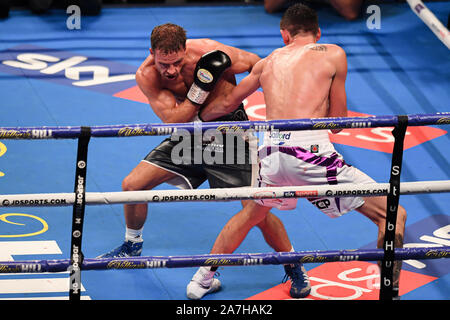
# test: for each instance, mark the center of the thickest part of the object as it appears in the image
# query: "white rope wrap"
(431, 21)
(225, 194)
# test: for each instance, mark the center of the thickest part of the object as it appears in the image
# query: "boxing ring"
(80, 198)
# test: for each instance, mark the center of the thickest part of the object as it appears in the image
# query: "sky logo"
(67, 68)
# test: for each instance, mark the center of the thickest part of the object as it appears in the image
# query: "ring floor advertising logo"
(360, 280)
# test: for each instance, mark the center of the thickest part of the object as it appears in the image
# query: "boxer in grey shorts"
(224, 174)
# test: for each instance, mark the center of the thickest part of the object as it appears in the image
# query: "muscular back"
(298, 80)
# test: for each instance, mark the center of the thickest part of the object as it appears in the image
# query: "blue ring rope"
(73, 132)
(243, 259)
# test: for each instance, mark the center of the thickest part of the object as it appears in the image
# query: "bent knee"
(262, 221)
(127, 184)
(401, 215)
(130, 183)
(256, 213)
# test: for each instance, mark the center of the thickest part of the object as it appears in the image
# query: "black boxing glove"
(208, 71)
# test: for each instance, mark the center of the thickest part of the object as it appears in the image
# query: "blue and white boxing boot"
(127, 249)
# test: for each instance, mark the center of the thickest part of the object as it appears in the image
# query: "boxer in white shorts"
(300, 158)
(301, 80)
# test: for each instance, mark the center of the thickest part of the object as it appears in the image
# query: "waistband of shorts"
(296, 138)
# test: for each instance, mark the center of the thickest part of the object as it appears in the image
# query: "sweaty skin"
(165, 78)
(321, 69)
(317, 65)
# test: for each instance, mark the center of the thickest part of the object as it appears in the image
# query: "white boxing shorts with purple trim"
(302, 158)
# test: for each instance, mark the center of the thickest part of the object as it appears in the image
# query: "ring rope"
(243, 259)
(421, 10)
(132, 130)
(223, 194)
(80, 198)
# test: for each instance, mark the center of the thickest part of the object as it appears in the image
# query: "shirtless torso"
(301, 80)
(308, 74)
(165, 79)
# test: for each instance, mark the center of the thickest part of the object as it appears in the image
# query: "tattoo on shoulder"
(318, 47)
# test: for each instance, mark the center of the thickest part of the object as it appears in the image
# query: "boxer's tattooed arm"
(318, 48)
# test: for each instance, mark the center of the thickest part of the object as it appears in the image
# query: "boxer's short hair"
(300, 18)
(168, 38)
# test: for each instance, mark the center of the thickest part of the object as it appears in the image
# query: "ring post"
(387, 264)
(76, 256)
